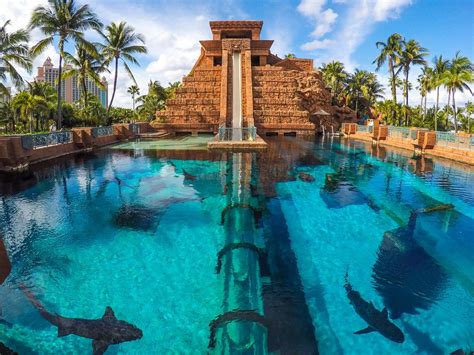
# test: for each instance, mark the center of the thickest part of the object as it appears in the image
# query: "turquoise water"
(138, 227)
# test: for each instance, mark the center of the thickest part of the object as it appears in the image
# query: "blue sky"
(324, 30)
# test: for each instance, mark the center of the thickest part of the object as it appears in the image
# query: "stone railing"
(452, 140)
(362, 128)
(398, 132)
(35, 141)
(17, 152)
(102, 131)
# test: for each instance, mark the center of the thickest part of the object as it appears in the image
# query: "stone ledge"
(238, 146)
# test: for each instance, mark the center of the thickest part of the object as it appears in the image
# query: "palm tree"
(412, 54)
(390, 52)
(459, 75)
(13, 51)
(334, 77)
(355, 87)
(289, 55)
(171, 89)
(86, 67)
(440, 67)
(133, 90)
(28, 105)
(7, 114)
(426, 82)
(45, 91)
(67, 21)
(121, 43)
(469, 112)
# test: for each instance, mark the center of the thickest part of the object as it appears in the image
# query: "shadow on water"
(338, 192)
(291, 330)
(422, 340)
(405, 275)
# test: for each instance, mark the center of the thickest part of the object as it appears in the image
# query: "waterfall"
(236, 97)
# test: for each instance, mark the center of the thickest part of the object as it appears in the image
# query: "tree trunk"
(133, 102)
(424, 109)
(394, 91)
(115, 85)
(84, 91)
(59, 115)
(455, 114)
(406, 98)
(447, 113)
(436, 109)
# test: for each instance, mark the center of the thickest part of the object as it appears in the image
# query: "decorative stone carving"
(232, 45)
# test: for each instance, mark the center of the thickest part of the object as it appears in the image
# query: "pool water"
(241, 253)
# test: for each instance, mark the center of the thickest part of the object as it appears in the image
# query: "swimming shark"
(105, 331)
(377, 320)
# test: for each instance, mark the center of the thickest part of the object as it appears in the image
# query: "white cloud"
(356, 23)
(325, 22)
(323, 19)
(317, 44)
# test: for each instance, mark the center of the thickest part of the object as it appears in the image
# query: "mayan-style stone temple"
(237, 83)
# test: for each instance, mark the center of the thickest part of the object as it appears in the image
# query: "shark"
(377, 320)
(104, 331)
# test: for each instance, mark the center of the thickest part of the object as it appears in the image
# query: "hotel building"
(70, 88)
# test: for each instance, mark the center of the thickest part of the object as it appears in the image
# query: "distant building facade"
(70, 88)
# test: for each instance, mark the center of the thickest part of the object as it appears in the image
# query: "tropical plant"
(459, 75)
(390, 53)
(121, 43)
(133, 90)
(469, 113)
(13, 51)
(94, 114)
(412, 54)
(290, 55)
(30, 105)
(7, 114)
(439, 70)
(67, 21)
(86, 67)
(122, 115)
(334, 77)
(362, 90)
(427, 82)
(171, 89)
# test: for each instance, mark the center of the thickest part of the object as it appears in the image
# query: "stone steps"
(202, 79)
(280, 120)
(198, 90)
(181, 100)
(281, 113)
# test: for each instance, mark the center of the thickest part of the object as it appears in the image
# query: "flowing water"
(241, 253)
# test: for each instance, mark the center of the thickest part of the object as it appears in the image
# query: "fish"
(377, 320)
(104, 331)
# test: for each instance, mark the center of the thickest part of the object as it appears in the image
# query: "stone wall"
(14, 157)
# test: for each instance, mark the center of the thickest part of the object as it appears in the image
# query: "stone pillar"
(248, 90)
(224, 91)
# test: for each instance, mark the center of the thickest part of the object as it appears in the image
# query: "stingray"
(137, 217)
